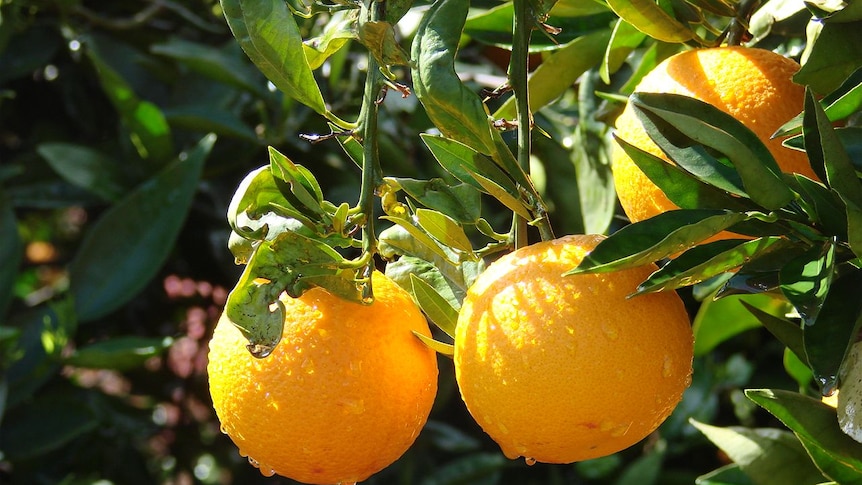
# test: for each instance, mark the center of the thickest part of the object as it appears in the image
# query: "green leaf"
(444, 229)
(220, 64)
(805, 280)
(337, 32)
(45, 424)
(769, 456)
(559, 71)
(835, 453)
(822, 205)
(450, 438)
(829, 61)
(267, 32)
(87, 168)
(787, 332)
(648, 17)
(850, 395)
(681, 187)
(475, 468)
(726, 475)
(454, 109)
(839, 104)
(719, 320)
(624, 39)
(461, 202)
(656, 238)
(303, 191)
(705, 261)
(441, 348)
(438, 309)
(148, 128)
(210, 119)
(11, 251)
(126, 247)
(122, 353)
(379, 38)
(828, 339)
(797, 369)
(699, 122)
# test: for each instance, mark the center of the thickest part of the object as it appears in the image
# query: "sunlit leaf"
(461, 202)
(121, 353)
(87, 168)
(440, 311)
(805, 280)
(444, 229)
(624, 39)
(648, 17)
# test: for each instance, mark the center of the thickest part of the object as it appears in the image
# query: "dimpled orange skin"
(562, 369)
(342, 396)
(754, 85)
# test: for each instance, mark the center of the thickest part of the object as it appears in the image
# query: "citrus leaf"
(718, 320)
(87, 168)
(787, 332)
(444, 229)
(449, 282)
(828, 339)
(705, 261)
(822, 205)
(828, 62)
(441, 348)
(769, 456)
(656, 238)
(46, 424)
(475, 468)
(624, 39)
(210, 119)
(797, 369)
(461, 202)
(438, 309)
(805, 280)
(850, 395)
(337, 32)
(462, 161)
(680, 187)
(420, 236)
(121, 353)
(652, 20)
(706, 125)
(839, 104)
(726, 475)
(837, 455)
(305, 191)
(126, 247)
(558, 71)
(267, 32)
(450, 438)
(454, 109)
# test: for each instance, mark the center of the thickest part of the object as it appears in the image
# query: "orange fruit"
(559, 369)
(343, 395)
(753, 85)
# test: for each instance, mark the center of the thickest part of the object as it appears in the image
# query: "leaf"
(461, 202)
(453, 108)
(421, 237)
(726, 475)
(835, 453)
(267, 32)
(828, 61)
(839, 104)
(87, 168)
(718, 320)
(706, 125)
(624, 39)
(45, 424)
(450, 438)
(337, 32)
(210, 119)
(148, 128)
(805, 280)
(441, 348)
(681, 187)
(444, 229)
(303, 191)
(652, 20)
(656, 238)
(121, 353)
(126, 247)
(787, 332)
(11, 251)
(769, 456)
(850, 395)
(824, 206)
(438, 309)
(828, 339)
(558, 71)
(219, 64)
(705, 261)
(475, 468)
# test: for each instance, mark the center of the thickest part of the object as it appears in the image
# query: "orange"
(559, 369)
(753, 85)
(342, 396)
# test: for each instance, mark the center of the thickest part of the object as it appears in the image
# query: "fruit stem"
(371, 171)
(739, 24)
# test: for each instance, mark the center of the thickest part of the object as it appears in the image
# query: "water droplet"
(667, 367)
(346, 483)
(503, 429)
(529, 460)
(223, 429)
(828, 384)
(254, 462)
(267, 471)
(610, 331)
(308, 366)
(259, 350)
(352, 406)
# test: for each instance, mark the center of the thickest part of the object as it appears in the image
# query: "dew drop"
(254, 462)
(667, 367)
(308, 366)
(827, 384)
(259, 350)
(529, 460)
(223, 429)
(611, 332)
(352, 406)
(267, 471)
(346, 483)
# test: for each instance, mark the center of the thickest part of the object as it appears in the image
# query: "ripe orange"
(753, 85)
(560, 369)
(342, 396)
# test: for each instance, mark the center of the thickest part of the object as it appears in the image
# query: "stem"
(367, 129)
(518, 81)
(739, 25)
(518, 72)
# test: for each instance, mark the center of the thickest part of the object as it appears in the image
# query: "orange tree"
(425, 139)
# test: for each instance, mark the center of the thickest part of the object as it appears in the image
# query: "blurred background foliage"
(125, 128)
